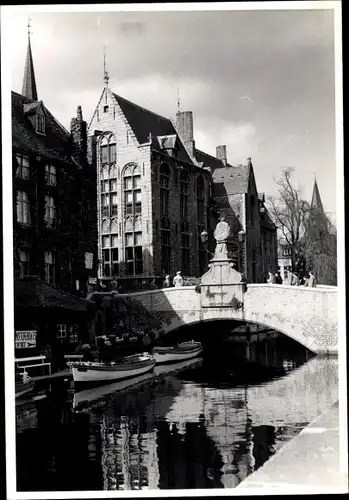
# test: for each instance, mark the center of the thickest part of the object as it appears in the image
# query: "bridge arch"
(307, 315)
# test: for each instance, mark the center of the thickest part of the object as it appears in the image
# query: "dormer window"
(40, 124)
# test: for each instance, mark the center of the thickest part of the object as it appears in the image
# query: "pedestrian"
(152, 285)
(278, 279)
(311, 282)
(113, 287)
(271, 278)
(198, 285)
(178, 279)
(295, 280)
(166, 283)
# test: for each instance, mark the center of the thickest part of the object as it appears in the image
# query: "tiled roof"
(55, 144)
(208, 160)
(33, 292)
(144, 122)
(231, 180)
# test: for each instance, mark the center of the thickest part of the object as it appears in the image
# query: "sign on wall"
(25, 339)
(88, 260)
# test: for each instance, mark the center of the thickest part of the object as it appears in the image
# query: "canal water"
(208, 424)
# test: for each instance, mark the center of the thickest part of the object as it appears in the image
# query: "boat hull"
(25, 388)
(174, 357)
(92, 374)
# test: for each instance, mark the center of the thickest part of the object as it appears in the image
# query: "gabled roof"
(144, 122)
(55, 144)
(29, 83)
(316, 202)
(231, 180)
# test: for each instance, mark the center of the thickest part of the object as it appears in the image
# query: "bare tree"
(288, 211)
(306, 230)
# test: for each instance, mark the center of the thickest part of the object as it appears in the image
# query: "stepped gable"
(144, 122)
(54, 144)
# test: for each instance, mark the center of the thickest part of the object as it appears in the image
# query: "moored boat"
(179, 352)
(23, 384)
(130, 366)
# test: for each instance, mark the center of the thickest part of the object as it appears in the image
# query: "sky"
(261, 82)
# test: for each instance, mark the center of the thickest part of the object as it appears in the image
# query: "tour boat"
(179, 352)
(23, 384)
(130, 366)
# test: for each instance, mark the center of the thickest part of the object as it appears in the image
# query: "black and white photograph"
(174, 260)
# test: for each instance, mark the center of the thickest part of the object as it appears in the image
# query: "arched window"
(184, 191)
(165, 235)
(132, 190)
(165, 174)
(108, 149)
(200, 198)
(184, 194)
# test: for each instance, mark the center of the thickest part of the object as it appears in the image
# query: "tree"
(306, 230)
(289, 211)
(319, 247)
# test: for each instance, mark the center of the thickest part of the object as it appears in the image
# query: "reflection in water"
(199, 428)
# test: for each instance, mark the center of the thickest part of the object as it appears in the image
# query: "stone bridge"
(307, 315)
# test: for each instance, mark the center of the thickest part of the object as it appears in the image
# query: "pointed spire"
(178, 101)
(106, 76)
(29, 84)
(316, 202)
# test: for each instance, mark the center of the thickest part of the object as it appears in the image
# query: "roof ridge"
(117, 96)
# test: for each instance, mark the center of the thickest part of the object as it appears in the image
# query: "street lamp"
(204, 240)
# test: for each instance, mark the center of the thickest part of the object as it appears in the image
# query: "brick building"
(153, 196)
(54, 224)
(53, 192)
(157, 192)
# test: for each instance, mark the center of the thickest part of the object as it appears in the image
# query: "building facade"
(156, 194)
(54, 205)
(152, 195)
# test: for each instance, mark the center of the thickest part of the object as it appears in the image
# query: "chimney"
(184, 126)
(78, 130)
(221, 154)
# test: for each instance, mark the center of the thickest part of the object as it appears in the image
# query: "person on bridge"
(271, 278)
(311, 281)
(166, 283)
(278, 279)
(178, 279)
(113, 286)
(295, 280)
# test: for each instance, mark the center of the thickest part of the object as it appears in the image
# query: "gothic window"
(50, 175)
(22, 167)
(185, 253)
(108, 149)
(114, 204)
(23, 208)
(50, 211)
(184, 192)
(50, 267)
(132, 191)
(23, 263)
(200, 197)
(105, 205)
(133, 253)
(106, 261)
(105, 241)
(165, 174)
(105, 227)
(165, 251)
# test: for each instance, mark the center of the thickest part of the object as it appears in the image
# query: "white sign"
(25, 339)
(92, 281)
(88, 260)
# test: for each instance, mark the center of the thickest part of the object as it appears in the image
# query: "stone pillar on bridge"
(222, 285)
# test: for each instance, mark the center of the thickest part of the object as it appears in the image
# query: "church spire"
(316, 202)
(29, 84)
